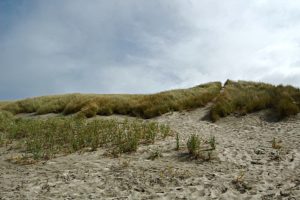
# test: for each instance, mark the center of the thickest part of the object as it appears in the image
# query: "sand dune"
(245, 166)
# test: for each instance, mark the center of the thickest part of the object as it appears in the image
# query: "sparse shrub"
(240, 184)
(153, 130)
(277, 153)
(194, 145)
(128, 141)
(165, 130)
(198, 148)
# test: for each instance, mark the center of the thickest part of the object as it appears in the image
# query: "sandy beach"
(244, 166)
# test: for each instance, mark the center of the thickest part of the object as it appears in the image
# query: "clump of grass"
(194, 145)
(145, 106)
(240, 184)
(46, 138)
(89, 110)
(198, 148)
(276, 144)
(245, 97)
(165, 130)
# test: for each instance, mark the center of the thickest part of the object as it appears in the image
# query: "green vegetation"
(4, 103)
(239, 97)
(145, 106)
(200, 148)
(194, 145)
(245, 97)
(177, 142)
(6, 121)
(45, 138)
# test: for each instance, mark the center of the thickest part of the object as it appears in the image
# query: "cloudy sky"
(143, 46)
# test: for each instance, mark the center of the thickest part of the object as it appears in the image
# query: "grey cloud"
(145, 46)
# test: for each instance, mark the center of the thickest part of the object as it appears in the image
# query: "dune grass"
(4, 103)
(45, 138)
(246, 97)
(239, 97)
(145, 106)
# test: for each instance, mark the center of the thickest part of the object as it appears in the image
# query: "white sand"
(244, 150)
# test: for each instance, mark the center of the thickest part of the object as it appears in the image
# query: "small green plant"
(240, 177)
(240, 184)
(199, 148)
(194, 145)
(128, 143)
(177, 142)
(276, 144)
(165, 130)
(153, 130)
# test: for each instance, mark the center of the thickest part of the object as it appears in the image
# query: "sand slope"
(245, 167)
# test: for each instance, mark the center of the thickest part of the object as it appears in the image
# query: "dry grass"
(238, 97)
(245, 97)
(45, 138)
(4, 103)
(145, 106)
